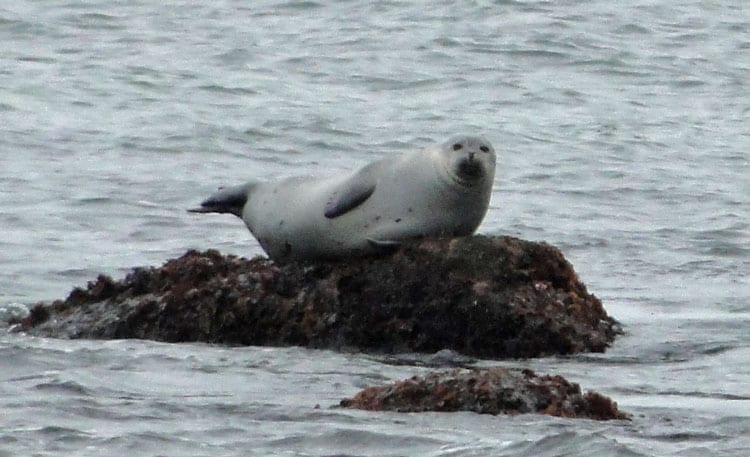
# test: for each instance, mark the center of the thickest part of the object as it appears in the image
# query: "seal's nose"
(471, 156)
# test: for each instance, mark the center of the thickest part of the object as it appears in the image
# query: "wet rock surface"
(487, 391)
(494, 297)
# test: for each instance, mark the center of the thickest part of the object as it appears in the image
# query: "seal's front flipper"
(227, 200)
(352, 193)
(384, 246)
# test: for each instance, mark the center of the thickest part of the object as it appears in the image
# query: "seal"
(441, 190)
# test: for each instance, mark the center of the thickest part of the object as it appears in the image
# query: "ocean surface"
(622, 136)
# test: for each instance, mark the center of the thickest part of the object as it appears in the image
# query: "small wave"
(392, 84)
(95, 21)
(86, 201)
(258, 132)
(63, 433)
(352, 440)
(529, 54)
(236, 56)
(708, 395)
(300, 5)
(227, 90)
(688, 83)
(35, 59)
(443, 358)
(536, 54)
(448, 42)
(20, 28)
(572, 443)
(632, 29)
(12, 312)
(687, 436)
(64, 387)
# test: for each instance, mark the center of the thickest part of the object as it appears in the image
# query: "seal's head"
(469, 160)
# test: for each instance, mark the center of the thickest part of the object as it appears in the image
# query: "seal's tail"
(227, 200)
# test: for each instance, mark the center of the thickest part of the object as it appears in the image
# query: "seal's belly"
(288, 220)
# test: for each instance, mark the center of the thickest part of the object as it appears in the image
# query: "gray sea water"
(623, 138)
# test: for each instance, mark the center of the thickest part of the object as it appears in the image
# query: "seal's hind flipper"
(227, 200)
(353, 192)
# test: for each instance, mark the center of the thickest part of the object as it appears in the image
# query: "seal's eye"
(484, 149)
(457, 146)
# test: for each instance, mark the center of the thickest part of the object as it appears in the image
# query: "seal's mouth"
(469, 168)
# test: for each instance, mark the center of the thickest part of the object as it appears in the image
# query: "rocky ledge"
(494, 297)
(487, 391)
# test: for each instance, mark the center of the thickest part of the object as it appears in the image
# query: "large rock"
(487, 391)
(491, 297)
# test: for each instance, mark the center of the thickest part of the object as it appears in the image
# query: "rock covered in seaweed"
(487, 391)
(483, 296)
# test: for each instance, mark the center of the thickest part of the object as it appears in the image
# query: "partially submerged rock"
(483, 296)
(487, 391)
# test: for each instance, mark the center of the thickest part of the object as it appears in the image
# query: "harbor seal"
(443, 189)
